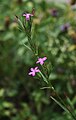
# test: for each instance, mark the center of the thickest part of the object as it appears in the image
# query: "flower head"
(27, 15)
(65, 27)
(34, 71)
(54, 12)
(41, 60)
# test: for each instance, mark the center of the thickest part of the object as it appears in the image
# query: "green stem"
(62, 102)
(44, 78)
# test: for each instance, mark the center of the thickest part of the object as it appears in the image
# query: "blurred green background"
(20, 95)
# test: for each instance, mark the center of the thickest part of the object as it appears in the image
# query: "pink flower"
(41, 60)
(27, 15)
(34, 71)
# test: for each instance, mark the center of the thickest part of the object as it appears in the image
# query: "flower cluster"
(33, 71)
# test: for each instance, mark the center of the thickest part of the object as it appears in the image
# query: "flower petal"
(30, 73)
(38, 61)
(32, 69)
(24, 14)
(36, 68)
(44, 58)
(41, 62)
(33, 73)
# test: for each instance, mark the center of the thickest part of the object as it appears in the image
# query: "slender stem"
(62, 102)
(56, 101)
(44, 78)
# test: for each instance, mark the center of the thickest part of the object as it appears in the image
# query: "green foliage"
(20, 95)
